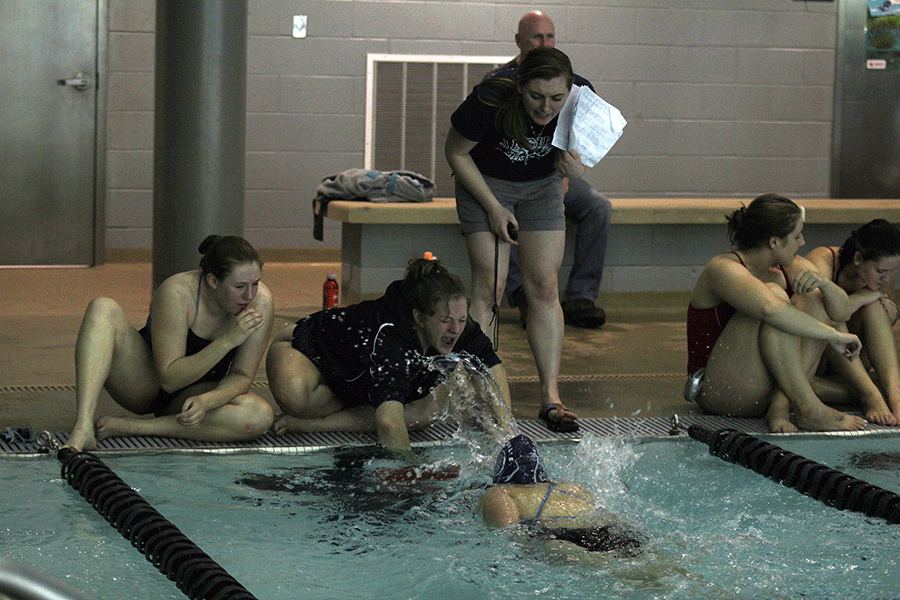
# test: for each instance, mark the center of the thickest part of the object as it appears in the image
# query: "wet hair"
(874, 240)
(767, 216)
(541, 63)
(520, 463)
(221, 254)
(428, 282)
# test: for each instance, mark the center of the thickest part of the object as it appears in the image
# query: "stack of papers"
(588, 125)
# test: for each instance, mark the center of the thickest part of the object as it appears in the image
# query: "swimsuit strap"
(789, 290)
(835, 267)
(540, 509)
(739, 258)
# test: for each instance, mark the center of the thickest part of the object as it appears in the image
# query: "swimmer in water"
(564, 515)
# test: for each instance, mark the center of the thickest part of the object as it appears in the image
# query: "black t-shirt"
(370, 352)
(497, 155)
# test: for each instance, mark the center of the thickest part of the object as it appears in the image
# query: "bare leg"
(778, 416)
(753, 365)
(865, 390)
(246, 417)
(737, 381)
(481, 249)
(109, 352)
(792, 361)
(878, 340)
(299, 389)
(541, 256)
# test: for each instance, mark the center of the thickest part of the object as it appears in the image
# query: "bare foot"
(287, 424)
(113, 426)
(894, 407)
(876, 410)
(779, 415)
(81, 439)
(781, 424)
(829, 419)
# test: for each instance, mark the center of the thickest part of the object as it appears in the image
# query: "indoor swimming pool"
(348, 523)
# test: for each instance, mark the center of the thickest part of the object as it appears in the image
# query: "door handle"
(80, 82)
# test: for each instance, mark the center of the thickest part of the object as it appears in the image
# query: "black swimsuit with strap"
(193, 345)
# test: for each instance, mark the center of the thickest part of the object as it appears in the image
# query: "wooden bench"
(655, 244)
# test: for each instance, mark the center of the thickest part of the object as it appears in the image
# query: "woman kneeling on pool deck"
(561, 513)
(864, 267)
(366, 367)
(758, 322)
(209, 330)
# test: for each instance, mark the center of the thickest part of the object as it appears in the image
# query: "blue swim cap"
(519, 462)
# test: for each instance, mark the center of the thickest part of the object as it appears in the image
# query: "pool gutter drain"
(808, 477)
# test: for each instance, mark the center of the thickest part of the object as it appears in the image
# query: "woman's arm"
(390, 423)
(806, 277)
(171, 312)
(243, 368)
(822, 260)
(457, 148)
(503, 413)
(497, 508)
(733, 284)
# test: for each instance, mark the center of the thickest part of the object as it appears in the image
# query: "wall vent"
(409, 100)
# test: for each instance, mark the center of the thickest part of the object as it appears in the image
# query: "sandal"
(557, 426)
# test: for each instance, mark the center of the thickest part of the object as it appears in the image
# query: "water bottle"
(330, 292)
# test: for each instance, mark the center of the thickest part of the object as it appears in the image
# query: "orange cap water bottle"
(330, 292)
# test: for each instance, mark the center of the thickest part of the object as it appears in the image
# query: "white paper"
(588, 125)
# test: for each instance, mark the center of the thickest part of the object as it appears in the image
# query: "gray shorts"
(537, 205)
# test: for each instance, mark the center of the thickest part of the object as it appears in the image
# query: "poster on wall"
(883, 35)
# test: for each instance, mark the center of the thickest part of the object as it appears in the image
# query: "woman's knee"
(543, 291)
(103, 310)
(256, 417)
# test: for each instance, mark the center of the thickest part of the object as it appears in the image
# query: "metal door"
(49, 53)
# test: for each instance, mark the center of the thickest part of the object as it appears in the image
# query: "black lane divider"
(196, 574)
(808, 477)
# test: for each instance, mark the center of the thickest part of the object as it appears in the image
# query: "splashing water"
(475, 404)
(601, 464)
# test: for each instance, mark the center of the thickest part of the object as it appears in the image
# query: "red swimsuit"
(705, 325)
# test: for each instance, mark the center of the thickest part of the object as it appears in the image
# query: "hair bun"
(208, 242)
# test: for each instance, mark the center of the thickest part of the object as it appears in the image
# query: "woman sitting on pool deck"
(563, 514)
(864, 267)
(758, 321)
(209, 329)
(370, 366)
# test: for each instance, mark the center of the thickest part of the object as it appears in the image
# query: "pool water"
(332, 524)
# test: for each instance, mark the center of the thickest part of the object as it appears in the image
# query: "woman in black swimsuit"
(191, 365)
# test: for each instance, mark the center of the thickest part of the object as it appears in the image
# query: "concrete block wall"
(723, 97)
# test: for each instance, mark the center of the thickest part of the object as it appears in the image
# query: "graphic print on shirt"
(540, 147)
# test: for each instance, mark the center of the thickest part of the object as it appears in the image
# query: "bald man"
(586, 207)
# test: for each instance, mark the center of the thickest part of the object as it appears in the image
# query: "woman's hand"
(568, 163)
(890, 308)
(192, 412)
(501, 220)
(247, 321)
(847, 345)
(807, 281)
